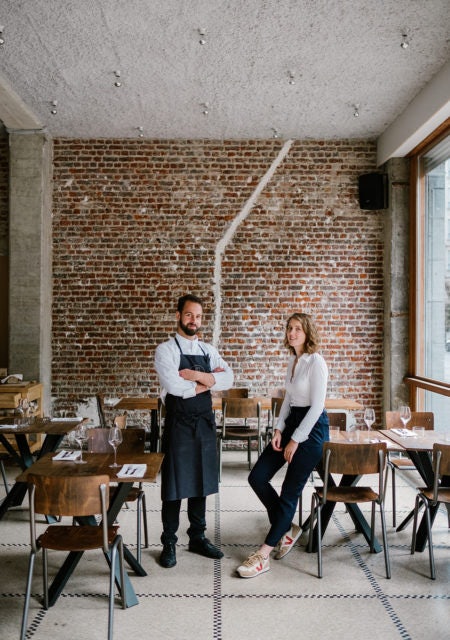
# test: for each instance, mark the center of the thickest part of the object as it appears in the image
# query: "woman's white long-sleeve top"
(308, 388)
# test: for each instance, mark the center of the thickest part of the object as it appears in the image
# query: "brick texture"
(137, 224)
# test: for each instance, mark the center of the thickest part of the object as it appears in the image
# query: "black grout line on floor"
(382, 597)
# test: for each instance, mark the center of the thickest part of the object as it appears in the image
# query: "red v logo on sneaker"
(289, 540)
(259, 567)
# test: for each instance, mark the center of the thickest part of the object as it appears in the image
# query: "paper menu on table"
(132, 471)
(67, 455)
(405, 433)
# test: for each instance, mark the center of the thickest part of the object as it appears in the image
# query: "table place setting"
(132, 471)
(404, 433)
(66, 455)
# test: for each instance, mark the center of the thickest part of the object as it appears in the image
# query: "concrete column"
(30, 302)
(396, 281)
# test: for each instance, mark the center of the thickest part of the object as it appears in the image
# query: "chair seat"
(443, 494)
(348, 494)
(134, 494)
(241, 432)
(404, 464)
(65, 538)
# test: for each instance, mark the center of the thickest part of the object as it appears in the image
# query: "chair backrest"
(441, 464)
(276, 402)
(278, 392)
(354, 459)
(133, 441)
(69, 495)
(418, 419)
(235, 392)
(337, 419)
(243, 408)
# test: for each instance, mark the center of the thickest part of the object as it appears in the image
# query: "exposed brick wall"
(136, 224)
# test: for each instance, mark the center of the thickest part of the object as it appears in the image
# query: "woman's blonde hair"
(312, 336)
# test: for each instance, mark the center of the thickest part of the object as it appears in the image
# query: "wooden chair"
(276, 402)
(338, 419)
(432, 497)
(241, 420)
(350, 459)
(395, 461)
(234, 392)
(75, 496)
(133, 441)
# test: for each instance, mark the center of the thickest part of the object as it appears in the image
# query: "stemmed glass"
(114, 439)
(405, 415)
(80, 436)
(369, 418)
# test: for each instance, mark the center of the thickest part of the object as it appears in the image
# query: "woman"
(298, 439)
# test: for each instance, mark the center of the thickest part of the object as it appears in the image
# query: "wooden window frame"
(417, 383)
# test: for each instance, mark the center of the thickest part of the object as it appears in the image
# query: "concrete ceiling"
(260, 68)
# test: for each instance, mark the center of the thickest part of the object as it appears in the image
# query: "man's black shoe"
(204, 547)
(168, 557)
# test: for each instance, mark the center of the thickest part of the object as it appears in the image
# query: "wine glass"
(405, 415)
(114, 439)
(369, 418)
(80, 436)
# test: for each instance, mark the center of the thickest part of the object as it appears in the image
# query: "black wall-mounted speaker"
(373, 191)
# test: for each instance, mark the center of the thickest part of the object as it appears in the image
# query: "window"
(431, 307)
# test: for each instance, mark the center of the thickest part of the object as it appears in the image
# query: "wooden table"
(52, 433)
(354, 511)
(419, 450)
(98, 463)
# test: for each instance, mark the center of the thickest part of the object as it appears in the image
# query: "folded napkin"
(73, 419)
(67, 455)
(405, 433)
(132, 471)
(8, 426)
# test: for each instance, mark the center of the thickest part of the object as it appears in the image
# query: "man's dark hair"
(188, 298)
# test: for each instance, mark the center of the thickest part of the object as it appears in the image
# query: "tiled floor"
(202, 599)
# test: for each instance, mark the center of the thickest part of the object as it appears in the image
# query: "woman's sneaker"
(288, 541)
(255, 565)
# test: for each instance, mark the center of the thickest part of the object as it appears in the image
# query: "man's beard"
(188, 330)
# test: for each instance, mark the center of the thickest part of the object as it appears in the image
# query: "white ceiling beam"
(14, 113)
(429, 109)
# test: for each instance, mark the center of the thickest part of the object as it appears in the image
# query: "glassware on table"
(369, 418)
(419, 432)
(405, 415)
(80, 436)
(334, 432)
(114, 439)
(19, 413)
